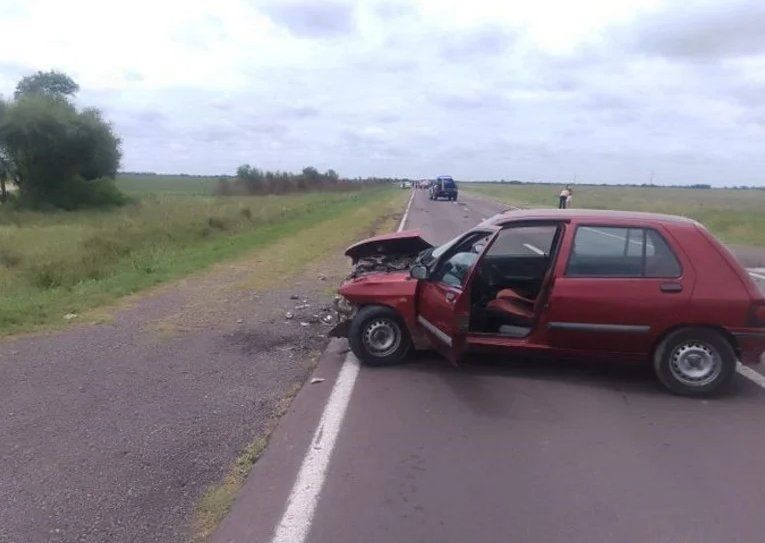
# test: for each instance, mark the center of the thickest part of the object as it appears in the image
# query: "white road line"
(750, 374)
(537, 250)
(406, 213)
(755, 274)
(304, 496)
(301, 505)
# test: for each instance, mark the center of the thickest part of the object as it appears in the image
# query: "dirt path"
(113, 432)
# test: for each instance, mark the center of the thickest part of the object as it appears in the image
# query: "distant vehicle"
(443, 187)
(595, 284)
(406, 185)
(424, 184)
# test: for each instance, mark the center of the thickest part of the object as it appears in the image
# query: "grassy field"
(141, 185)
(58, 263)
(735, 216)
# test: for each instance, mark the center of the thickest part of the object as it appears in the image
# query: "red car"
(611, 284)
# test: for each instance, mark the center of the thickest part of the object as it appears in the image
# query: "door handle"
(671, 287)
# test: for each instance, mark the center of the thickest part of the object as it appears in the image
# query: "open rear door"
(443, 300)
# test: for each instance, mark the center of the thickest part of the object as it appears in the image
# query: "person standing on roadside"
(563, 198)
(569, 197)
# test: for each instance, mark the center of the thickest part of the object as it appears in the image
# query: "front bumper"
(344, 313)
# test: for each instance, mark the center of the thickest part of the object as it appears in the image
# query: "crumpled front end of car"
(344, 313)
(380, 276)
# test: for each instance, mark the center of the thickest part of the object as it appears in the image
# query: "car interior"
(508, 286)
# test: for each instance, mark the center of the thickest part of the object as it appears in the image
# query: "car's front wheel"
(378, 336)
(694, 361)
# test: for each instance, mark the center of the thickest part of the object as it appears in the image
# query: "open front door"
(443, 300)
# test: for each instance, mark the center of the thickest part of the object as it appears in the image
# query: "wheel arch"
(419, 340)
(714, 327)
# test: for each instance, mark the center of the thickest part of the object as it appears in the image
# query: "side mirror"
(419, 272)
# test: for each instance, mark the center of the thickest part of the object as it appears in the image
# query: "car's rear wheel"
(378, 336)
(694, 361)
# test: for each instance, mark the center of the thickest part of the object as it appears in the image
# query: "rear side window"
(449, 184)
(621, 252)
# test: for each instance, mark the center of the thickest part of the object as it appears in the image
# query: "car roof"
(594, 215)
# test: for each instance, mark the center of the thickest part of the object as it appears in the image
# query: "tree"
(3, 177)
(5, 169)
(52, 84)
(99, 146)
(57, 154)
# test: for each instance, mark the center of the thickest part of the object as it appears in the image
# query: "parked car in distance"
(406, 185)
(443, 187)
(596, 284)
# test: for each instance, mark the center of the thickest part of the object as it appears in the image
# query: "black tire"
(362, 338)
(694, 361)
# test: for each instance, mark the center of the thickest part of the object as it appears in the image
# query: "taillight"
(758, 314)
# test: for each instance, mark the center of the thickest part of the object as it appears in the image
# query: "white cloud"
(481, 89)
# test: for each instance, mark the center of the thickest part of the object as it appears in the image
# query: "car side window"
(602, 251)
(660, 261)
(455, 265)
(534, 241)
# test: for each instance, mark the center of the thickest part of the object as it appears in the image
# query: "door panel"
(616, 314)
(436, 315)
(443, 301)
(610, 314)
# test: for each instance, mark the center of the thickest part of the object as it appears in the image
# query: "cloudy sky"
(604, 90)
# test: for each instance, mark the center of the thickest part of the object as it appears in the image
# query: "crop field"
(140, 184)
(52, 264)
(735, 216)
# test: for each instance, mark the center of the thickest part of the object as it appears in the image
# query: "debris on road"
(317, 380)
(239, 321)
(294, 297)
(322, 277)
(304, 324)
(288, 315)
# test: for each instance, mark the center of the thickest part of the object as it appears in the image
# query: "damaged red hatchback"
(612, 284)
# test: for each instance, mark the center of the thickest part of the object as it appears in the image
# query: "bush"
(75, 193)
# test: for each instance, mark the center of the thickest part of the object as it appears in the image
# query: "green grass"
(218, 499)
(57, 263)
(735, 216)
(141, 185)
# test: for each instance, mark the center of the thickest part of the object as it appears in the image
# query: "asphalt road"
(512, 450)
(112, 432)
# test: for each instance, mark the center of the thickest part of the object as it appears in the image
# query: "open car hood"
(398, 243)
